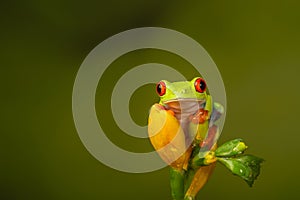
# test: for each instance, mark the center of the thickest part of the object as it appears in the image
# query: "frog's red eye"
(161, 88)
(200, 85)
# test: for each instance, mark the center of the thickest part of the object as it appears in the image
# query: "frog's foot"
(210, 158)
(199, 117)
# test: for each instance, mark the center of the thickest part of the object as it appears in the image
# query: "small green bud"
(203, 159)
(240, 148)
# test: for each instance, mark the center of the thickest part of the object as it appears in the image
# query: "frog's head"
(194, 90)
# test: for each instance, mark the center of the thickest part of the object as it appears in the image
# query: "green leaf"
(245, 166)
(231, 148)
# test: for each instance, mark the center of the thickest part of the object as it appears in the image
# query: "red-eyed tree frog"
(181, 129)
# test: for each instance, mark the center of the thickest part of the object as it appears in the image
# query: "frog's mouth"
(184, 108)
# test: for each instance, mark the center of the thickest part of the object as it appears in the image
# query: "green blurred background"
(255, 45)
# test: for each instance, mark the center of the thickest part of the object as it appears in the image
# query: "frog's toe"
(199, 117)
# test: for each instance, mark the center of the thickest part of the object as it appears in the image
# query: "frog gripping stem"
(191, 165)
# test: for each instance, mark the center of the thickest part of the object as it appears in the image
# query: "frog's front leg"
(203, 114)
(203, 120)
